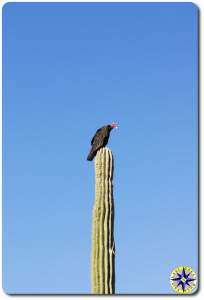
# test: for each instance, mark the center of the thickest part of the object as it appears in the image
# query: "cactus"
(103, 246)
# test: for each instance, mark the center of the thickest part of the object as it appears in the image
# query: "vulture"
(100, 139)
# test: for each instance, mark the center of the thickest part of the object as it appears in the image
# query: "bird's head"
(113, 125)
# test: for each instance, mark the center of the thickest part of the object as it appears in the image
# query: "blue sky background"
(67, 70)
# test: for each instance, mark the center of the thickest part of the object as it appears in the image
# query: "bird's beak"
(114, 125)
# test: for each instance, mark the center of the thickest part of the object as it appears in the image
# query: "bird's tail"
(91, 155)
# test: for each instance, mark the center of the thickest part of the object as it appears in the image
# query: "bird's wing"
(100, 139)
(95, 135)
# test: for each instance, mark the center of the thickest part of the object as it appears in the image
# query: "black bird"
(100, 139)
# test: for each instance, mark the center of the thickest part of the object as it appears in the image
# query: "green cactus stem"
(103, 246)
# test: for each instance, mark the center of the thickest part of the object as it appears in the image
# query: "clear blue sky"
(67, 70)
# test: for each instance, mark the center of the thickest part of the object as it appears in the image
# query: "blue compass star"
(183, 279)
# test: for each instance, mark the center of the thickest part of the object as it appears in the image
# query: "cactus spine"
(103, 252)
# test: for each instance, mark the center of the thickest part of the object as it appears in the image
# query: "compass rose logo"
(183, 280)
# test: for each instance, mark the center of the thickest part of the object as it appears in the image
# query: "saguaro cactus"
(103, 246)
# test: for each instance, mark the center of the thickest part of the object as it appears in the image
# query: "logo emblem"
(183, 280)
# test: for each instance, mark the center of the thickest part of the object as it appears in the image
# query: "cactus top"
(104, 163)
